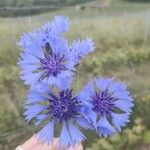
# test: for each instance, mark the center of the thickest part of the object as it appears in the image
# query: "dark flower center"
(103, 103)
(63, 107)
(52, 64)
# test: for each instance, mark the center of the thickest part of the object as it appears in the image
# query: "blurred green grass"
(121, 33)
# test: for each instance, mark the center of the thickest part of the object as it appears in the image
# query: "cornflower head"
(47, 57)
(111, 104)
(58, 108)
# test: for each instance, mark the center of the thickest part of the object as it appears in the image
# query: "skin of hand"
(34, 144)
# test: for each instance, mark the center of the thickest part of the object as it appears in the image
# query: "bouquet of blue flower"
(48, 65)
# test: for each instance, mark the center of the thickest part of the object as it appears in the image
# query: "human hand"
(34, 144)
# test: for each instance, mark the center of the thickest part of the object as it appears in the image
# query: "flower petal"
(104, 127)
(33, 110)
(86, 92)
(102, 83)
(75, 134)
(42, 88)
(82, 48)
(124, 105)
(60, 24)
(89, 115)
(34, 96)
(65, 138)
(30, 78)
(84, 123)
(120, 120)
(47, 133)
(64, 80)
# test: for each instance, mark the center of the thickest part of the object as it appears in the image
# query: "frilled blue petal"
(32, 61)
(28, 68)
(124, 105)
(79, 49)
(123, 95)
(30, 78)
(42, 88)
(34, 50)
(82, 48)
(59, 25)
(89, 115)
(51, 80)
(35, 96)
(84, 123)
(102, 83)
(104, 127)
(59, 45)
(120, 120)
(24, 41)
(33, 39)
(47, 133)
(120, 90)
(86, 92)
(33, 110)
(65, 138)
(76, 136)
(40, 118)
(117, 86)
(64, 80)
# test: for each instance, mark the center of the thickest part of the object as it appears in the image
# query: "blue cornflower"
(58, 108)
(111, 104)
(47, 57)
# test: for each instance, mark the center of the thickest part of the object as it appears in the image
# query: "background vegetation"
(121, 31)
(27, 7)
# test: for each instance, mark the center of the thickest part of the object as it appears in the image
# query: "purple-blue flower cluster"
(48, 64)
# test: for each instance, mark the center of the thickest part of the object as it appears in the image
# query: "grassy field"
(121, 33)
